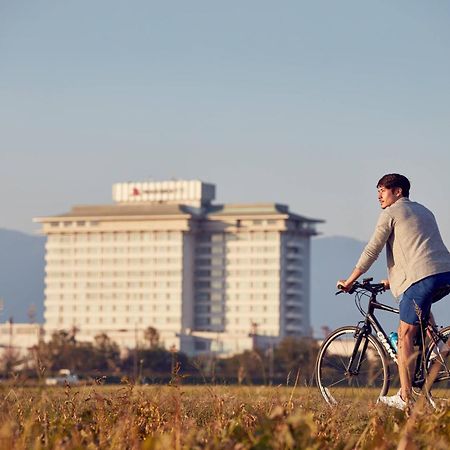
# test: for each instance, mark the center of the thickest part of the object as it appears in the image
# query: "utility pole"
(254, 333)
(271, 368)
(11, 321)
(135, 359)
(31, 312)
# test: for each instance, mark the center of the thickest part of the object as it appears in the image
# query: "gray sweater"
(414, 247)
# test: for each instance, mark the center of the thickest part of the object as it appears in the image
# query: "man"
(418, 266)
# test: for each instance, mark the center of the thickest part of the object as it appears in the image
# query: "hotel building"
(208, 277)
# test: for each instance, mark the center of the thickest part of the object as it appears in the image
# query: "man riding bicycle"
(418, 267)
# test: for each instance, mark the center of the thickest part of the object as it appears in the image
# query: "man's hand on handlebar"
(342, 285)
(346, 285)
(349, 287)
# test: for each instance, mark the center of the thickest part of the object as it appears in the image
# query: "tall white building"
(207, 277)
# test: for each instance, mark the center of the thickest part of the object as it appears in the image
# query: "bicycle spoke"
(338, 380)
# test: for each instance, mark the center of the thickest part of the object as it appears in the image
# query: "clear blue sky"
(301, 102)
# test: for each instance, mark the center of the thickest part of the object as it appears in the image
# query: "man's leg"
(406, 361)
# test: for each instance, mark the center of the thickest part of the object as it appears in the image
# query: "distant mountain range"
(21, 275)
(333, 258)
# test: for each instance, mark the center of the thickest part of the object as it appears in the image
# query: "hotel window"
(217, 250)
(203, 273)
(121, 237)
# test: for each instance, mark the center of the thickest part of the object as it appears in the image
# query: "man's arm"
(345, 285)
(372, 250)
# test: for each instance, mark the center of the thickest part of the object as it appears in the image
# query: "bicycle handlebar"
(374, 288)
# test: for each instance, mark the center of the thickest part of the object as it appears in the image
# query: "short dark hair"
(395, 180)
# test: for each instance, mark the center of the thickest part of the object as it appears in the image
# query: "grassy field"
(207, 417)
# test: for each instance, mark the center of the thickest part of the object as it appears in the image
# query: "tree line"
(291, 360)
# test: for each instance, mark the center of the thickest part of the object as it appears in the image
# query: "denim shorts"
(416, 301)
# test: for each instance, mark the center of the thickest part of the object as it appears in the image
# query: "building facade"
(17, 339)
(208, 277)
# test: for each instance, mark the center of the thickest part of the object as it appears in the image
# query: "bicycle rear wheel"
(345, 373)
(438, 368)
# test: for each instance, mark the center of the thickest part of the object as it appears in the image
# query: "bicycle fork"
(361, 336)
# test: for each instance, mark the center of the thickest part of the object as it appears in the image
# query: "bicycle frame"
(370, 321)
(381, 334)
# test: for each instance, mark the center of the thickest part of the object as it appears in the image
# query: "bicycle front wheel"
(351, 366)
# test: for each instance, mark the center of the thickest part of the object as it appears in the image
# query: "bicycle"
(353, 360)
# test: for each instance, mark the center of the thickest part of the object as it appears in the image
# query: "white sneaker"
(394, 401)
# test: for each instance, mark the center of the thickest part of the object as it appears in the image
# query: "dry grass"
(206, 417)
